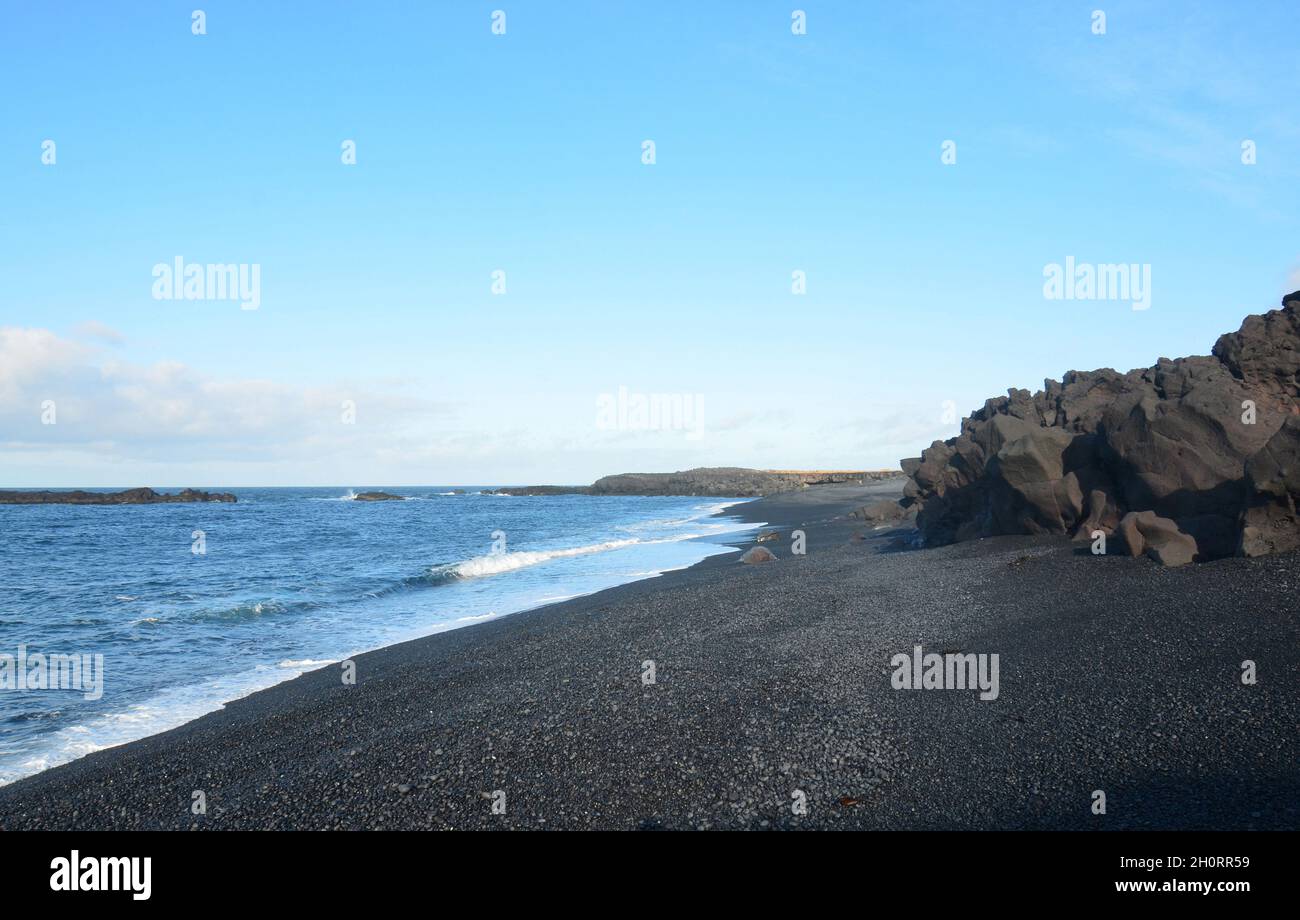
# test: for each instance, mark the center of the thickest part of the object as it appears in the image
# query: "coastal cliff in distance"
(127, 497)
(1189, 460)
(730, 481)
(715, 481)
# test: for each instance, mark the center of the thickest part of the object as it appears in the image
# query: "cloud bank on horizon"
(405, 246)
(175, 422)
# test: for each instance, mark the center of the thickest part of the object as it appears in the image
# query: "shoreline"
(265, 676)
(770, 679)
(737, 542)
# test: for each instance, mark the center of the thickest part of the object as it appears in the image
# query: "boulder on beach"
(758, 555)
(1207, 443)
(881, 512)
(1145, 533)
(768, 535)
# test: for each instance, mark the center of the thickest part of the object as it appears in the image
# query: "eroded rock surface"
(1209, 444)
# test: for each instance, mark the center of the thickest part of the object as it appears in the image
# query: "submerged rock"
(539, 490)
(378, 497)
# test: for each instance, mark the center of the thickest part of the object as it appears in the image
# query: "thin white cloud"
(96, 331)
(165, 423)
(166, 411)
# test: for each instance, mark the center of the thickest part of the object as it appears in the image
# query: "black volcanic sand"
(1116, 675)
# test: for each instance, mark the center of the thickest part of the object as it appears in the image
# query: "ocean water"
(289, 580)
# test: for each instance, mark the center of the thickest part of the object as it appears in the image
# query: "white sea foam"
(496, 563)
(656, 524)
(719, 507)
(170, 708)
(474, 618)
(347, 496)
(304, 663)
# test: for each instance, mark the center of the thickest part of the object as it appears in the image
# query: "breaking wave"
(496, 563)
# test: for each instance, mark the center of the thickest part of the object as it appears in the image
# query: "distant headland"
(126, 497)
(715, 481)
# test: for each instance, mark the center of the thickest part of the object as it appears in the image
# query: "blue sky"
(522, 152)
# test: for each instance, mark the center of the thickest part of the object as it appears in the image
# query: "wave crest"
(496, 563)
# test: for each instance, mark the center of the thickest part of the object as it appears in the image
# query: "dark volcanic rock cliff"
(1209, 443)
(127, 497)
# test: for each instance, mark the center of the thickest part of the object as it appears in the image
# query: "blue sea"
(194, 605)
